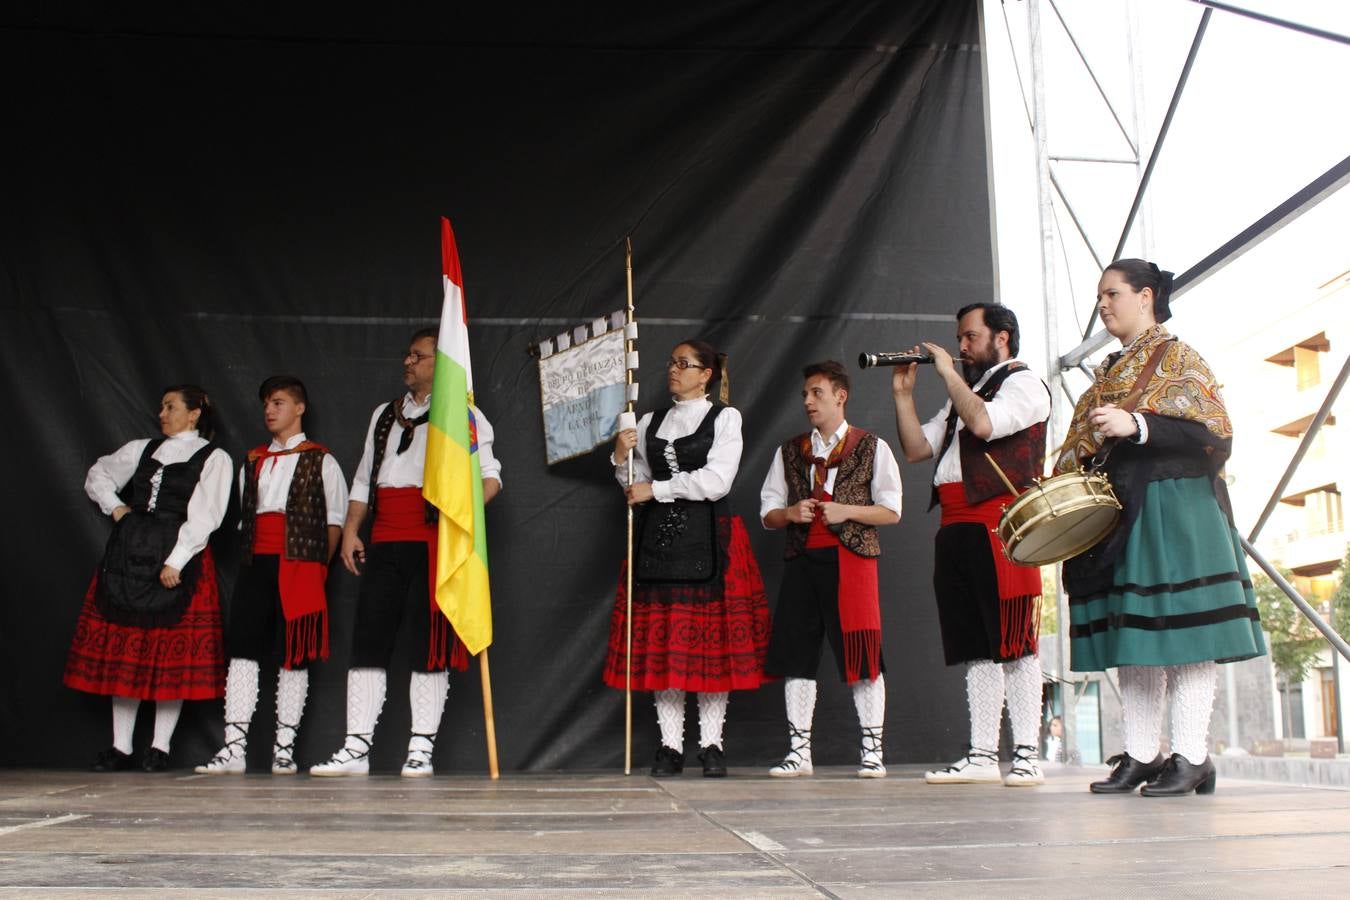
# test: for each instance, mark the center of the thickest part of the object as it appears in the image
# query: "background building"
(1276, 378)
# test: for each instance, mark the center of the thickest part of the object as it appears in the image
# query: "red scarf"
(304, 603)
(1019, 587)
(819, 466)
(400, 515)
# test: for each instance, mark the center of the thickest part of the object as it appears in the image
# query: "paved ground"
(601, 834)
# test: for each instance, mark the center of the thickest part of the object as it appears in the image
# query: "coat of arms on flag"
(582, 385)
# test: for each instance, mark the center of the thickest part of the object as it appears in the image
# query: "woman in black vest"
(700, 617)
(150, 628)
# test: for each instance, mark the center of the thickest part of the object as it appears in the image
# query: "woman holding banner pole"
(700, 617)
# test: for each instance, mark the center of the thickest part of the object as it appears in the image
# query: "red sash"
(304, 605)
(401, 515)
(859, 600)
(1015, 583)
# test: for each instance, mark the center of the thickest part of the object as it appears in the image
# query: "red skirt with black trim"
(696, 637)
(183, 661)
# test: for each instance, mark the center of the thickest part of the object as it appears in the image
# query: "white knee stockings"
(365, 700)
(426, 698)
(241, 699)
(984, 694)
(670, 718)
(1141, 691)
(989, 685)
(1022, 687)
(1192, 702)
(124, 722)
(869, 698)
(799, 695)
(712, 715)
(292, 689)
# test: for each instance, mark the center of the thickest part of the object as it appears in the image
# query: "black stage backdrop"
(219, 200)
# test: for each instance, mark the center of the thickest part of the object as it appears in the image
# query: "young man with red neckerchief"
(830, 488)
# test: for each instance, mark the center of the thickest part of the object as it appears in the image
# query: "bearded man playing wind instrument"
(986, 604)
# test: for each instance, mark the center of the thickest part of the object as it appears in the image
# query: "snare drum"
(1058, 518)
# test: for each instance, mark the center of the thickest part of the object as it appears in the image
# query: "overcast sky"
(1263, 113)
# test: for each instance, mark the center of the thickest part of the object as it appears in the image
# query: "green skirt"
(1180, 592)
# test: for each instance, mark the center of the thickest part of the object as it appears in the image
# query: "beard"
(979, 364)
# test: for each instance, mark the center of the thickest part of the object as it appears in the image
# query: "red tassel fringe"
(306, 639)
(443, 637)
(862, 647)
(1020, 625)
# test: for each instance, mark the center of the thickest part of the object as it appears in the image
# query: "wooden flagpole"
(628, 569)
(489, 720)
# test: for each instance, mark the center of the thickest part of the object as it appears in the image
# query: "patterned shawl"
(1183, 387)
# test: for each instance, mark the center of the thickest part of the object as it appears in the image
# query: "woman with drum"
(150, 628)
(1165, 595)
(700, 617)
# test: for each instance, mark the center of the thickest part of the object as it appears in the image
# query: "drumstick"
(1014, 491)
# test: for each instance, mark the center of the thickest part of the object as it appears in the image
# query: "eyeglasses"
(418, 357)
(683, 364)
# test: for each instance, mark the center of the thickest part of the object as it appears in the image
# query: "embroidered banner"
(581, 384)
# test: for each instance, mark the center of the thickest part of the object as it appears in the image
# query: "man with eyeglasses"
(396, 566)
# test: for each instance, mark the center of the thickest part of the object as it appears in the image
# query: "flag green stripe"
(451, 383)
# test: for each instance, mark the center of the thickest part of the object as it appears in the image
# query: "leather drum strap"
(1132, 398)
(1137, 391)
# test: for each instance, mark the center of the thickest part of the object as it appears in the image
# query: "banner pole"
(489, 720)
(628, 569)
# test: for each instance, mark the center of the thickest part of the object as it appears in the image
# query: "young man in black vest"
(397, 570)
(830, 488)
(292, 502)
(987, 606)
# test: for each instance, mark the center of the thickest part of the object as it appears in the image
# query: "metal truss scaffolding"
(1053, 235)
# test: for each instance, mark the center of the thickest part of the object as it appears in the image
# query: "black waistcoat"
(129, 591)
(678, 540)
(383, 426)
(176, 484)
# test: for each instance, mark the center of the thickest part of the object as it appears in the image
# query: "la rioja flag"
(454, 482)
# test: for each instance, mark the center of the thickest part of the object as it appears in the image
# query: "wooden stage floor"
(579, 834)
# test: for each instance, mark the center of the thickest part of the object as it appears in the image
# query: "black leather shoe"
(155, 760)
(1127, 775)
(112, 760)
(1179, 777)
(668, 762)
(714, 762)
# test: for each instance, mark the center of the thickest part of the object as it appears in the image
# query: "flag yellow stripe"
(448, 466)
(462, 587)
(456, 591)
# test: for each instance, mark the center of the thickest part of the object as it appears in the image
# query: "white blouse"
(711, 482)
(206, 507)
(406, 469)
(274, 482)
